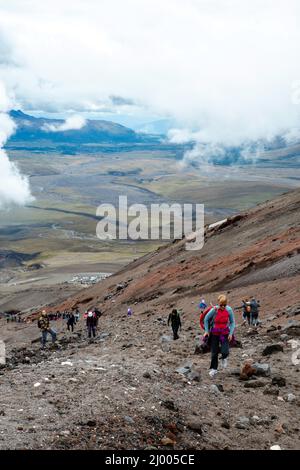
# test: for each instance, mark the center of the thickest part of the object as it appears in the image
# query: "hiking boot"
(224, 363)
(212, 372)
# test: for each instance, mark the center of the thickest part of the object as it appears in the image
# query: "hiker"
(98, 314)
(175, 320)
(246, 306)
(219, 326)
(91, 323)
(77, 315)
(71, 322)
(129, 312)
(44, 325)
(254, 306)
(202, 305)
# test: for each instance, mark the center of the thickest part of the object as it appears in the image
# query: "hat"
(90, 314)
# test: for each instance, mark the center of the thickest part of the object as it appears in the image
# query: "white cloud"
(225, 70)
(14, 188)
(71, 123)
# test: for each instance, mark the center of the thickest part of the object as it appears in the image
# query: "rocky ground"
(136, 388)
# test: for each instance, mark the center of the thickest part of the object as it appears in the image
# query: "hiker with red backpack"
(219, 325)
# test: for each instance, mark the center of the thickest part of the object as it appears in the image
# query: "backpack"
(203, 315)
(39, 323)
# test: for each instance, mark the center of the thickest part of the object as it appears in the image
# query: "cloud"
(71, 123)
(224, 70)
(14, 187)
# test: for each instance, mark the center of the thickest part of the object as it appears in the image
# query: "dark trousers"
(91, 330)
(246, 316)
(45, 334)
(175, 329)
(70, 326)
(216, 345)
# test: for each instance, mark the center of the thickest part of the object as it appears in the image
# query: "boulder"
(262, 370)
(242, 423)
(291, 397)
(279, 381)
(194, 424)
(214, 389)
(247, 371)
(292, 328)
(255, 384)
(271, 390)
(271, 349)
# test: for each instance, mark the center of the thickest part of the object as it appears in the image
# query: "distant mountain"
(31, 128)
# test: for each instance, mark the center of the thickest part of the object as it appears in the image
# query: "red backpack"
(203, 315)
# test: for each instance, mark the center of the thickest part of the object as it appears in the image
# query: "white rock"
(291, 397)
(294, 343)
(67, 363)
(37, 384)
(276, 447)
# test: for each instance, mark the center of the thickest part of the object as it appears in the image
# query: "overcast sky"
(224, 69)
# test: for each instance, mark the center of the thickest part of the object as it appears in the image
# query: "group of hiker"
(250, 311)
(217, 322)
(91, 317)
(14, 318)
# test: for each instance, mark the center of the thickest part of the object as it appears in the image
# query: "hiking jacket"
(254, 306)
(71, 320)
(175, 320)
(91, 321)
(209, 320)
(44, 323)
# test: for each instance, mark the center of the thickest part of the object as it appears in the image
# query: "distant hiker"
(129, 312)
(44, 325)
(91, 323)
(175, 320)
(202, 305)
(219, 325)
(71, 322)
(254, 310)
(77, 315)
(246, 311)
(98, 313)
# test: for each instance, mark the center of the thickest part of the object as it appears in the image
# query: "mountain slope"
(30, 128)
(258, 247)
(133, 387)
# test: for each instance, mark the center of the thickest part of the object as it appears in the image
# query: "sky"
(225, 71)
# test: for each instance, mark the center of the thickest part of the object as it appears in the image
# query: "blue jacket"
(210, 315)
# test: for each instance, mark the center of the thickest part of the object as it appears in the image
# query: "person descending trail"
(175, 320)
(254, 310)
(129, 312)
(44, 325)
(71, 322)
(219, 324)
(91, 323)
(246, 306)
